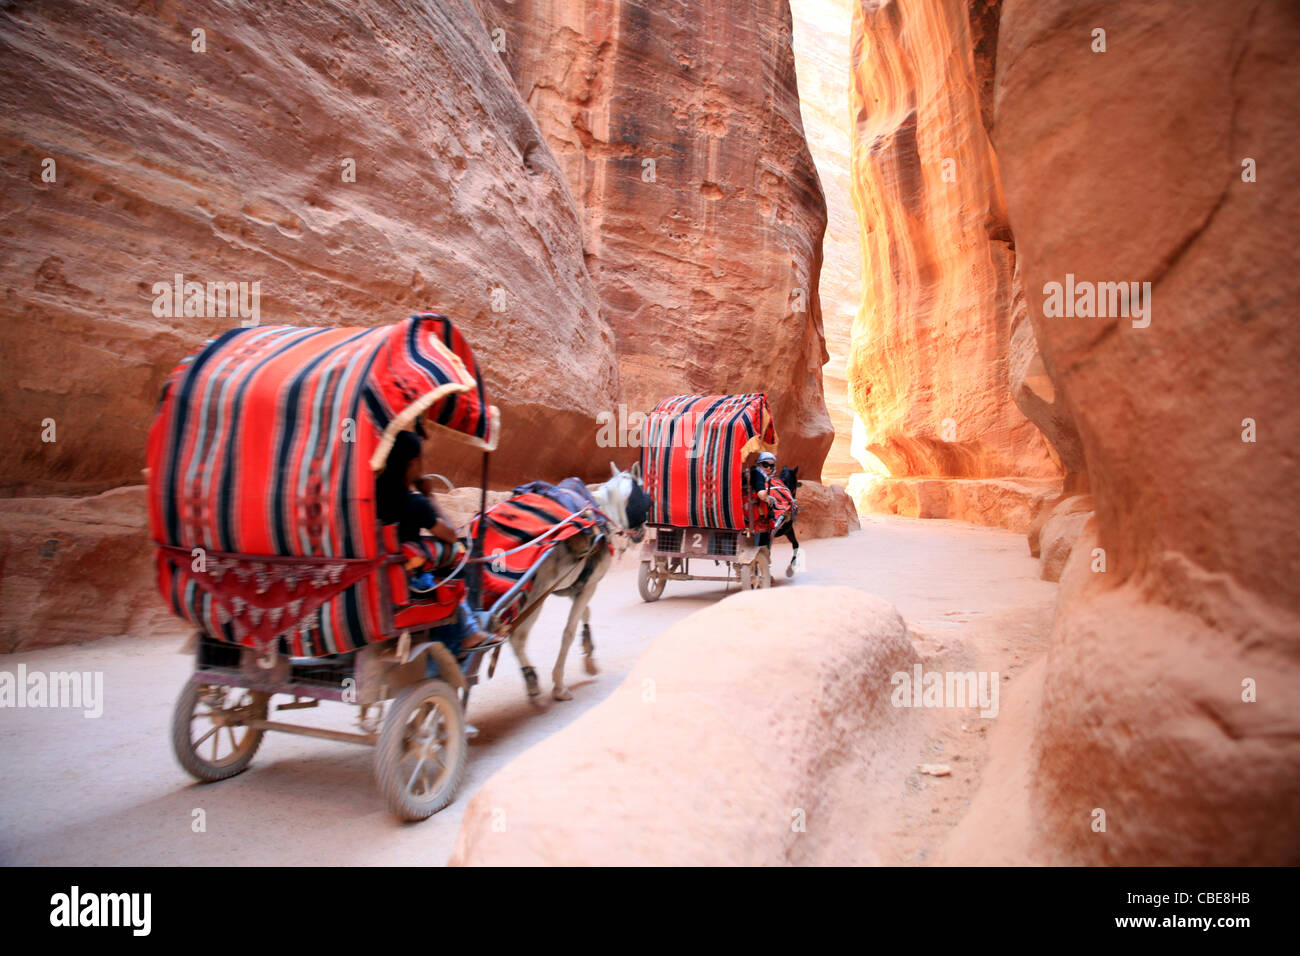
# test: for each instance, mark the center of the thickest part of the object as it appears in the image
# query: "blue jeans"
(452, 634)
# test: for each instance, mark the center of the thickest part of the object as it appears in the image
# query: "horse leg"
(518, 638)
(576, 612)
(588, 648)
(794, 557)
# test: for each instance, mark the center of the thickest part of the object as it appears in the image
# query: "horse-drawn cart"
(262, 499)
(695, 458)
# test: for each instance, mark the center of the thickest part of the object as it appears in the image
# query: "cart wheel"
(420, 758)
(213, 713)
(650, 585)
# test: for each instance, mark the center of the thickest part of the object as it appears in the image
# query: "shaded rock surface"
(229, 165)
(1171, 693)
(1061, 528)
(825, 511)
(75, 567)
(753, 753)
(678, 129)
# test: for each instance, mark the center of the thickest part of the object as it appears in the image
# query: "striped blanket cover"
(262, 459)
(780, 504)
(513, 522)
(692, 458)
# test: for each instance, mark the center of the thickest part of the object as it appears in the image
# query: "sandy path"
(108, 791)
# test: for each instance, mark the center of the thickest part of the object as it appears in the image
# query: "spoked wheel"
(648, 583)
(209, 732)
(420, 758)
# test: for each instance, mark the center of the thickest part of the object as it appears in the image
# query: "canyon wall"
(352, 164)
(678, 129)
(1161, 151)
(235, 163)
(822, 36)
(930, 365)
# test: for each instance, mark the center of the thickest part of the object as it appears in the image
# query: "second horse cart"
(696, 458)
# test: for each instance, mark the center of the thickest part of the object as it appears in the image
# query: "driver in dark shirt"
(399, 502)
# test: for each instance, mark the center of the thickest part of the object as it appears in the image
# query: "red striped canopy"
(692, 458)
(266, 444)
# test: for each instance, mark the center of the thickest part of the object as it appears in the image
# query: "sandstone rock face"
(1036, 396)
(75, 569)
(1059, 532)
(1172, 693)
(232, 164)
(748, 754)
(825, 511)
(677, 127)
(822, 35)
(929, 368)
(1001, 502)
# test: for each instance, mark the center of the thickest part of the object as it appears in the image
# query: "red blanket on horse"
(780, 504)
(514, 523)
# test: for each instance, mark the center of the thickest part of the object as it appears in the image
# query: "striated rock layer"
(232, 164)
(758, 752)
(930, 369)
(678, 129)
(1171, 699)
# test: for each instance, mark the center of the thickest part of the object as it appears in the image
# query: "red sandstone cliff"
(234, 164)
(1129, 165)
(678, 129)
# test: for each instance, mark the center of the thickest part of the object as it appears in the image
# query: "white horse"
(574, 569)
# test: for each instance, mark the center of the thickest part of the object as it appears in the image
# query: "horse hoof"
(789, 570)
(561, 693)
(590, 666)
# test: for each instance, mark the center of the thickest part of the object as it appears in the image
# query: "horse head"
(625, 501)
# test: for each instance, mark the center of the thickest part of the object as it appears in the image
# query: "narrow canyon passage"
(1008, 285)
(107, 791)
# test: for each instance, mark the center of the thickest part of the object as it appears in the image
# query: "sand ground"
(107, 791)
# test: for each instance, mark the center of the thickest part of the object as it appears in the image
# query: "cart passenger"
(399, 502)
(402, 499)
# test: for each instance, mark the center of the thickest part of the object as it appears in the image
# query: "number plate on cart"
(695, 542)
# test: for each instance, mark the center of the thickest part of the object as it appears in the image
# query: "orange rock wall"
(928, 373)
